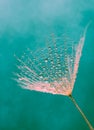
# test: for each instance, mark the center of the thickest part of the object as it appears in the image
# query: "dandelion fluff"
(53, 69)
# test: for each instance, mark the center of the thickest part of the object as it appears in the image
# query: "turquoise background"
(27, 24)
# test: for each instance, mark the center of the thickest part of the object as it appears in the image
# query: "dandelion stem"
(81, 112)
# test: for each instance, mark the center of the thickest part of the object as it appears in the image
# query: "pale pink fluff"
(54, 87)
(63, 86)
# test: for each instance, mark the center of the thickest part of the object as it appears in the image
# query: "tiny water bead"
(46, 60)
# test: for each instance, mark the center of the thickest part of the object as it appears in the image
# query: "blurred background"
(27, 24)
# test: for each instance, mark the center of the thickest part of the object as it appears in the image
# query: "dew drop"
(44, 68)
(41, 77)
(52, 62)
(46, 60)
(59, 65)
(53, 66)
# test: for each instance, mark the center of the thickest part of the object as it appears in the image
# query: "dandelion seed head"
(52, 69)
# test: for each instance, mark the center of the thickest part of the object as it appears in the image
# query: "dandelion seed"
(53, 69)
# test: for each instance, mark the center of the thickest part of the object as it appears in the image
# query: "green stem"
(81, 112)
